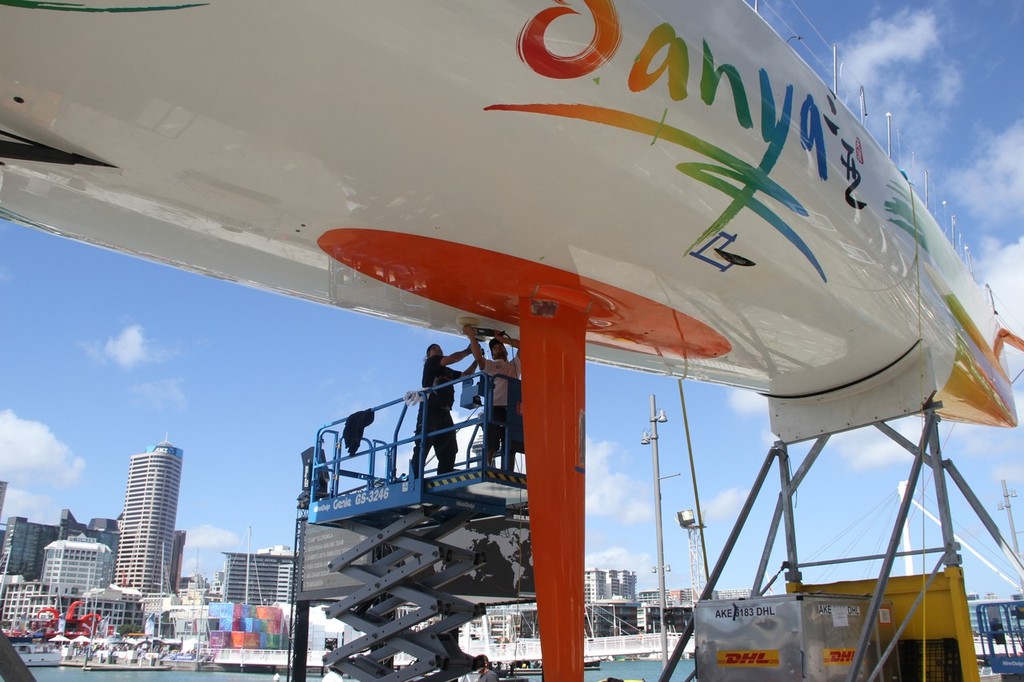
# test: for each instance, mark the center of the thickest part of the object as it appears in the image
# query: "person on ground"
(487, 673)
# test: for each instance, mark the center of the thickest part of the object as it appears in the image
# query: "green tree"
(128, 628)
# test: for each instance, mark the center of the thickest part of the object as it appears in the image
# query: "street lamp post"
(1005, 504)
(652, 440)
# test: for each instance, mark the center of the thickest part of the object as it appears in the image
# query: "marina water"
(624, 670)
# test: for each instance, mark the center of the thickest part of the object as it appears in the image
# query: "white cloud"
(747, 403)
(211, 537)
(36, 508)
(867, 449)
(725, 505)
(29, 452)
(994, 183)
(204, 546)
(161, 394)
(613, 493)
(898, 62)
(621, 558)
(907, 37)
(128, 349)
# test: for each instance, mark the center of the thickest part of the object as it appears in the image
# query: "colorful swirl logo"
(533, 49)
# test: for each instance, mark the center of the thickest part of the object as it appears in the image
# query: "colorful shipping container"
(243, 626)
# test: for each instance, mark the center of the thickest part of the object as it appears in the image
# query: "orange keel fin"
(553, 326)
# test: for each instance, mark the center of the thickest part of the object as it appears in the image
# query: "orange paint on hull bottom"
(489, 284)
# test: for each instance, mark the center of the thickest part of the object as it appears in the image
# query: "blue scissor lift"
(404, 562)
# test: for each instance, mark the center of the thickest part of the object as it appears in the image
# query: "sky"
(103, 355)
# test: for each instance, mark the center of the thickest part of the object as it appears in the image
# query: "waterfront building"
(261, 579)
(23, 599)
(650, 597)
(505, 623)
(681, 597)
(217, 584)
(612, 618)
(508, 622)
(145, 552)
(25, 546)
(116, 607)
(600, 584)
(76, 565)
(25, 541)
(156, 613)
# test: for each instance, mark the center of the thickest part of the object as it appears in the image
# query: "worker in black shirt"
(437, 371)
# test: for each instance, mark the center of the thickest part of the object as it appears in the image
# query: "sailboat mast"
(248, 558)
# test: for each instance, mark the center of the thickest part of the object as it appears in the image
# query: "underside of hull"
(717, 194)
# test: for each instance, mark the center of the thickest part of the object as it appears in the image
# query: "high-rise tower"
(144, 554)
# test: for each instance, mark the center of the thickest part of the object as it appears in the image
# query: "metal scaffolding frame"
(925, 452)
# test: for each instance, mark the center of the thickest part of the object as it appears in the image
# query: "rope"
(696, 494)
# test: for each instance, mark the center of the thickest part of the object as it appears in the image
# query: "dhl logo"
(838, 656)
(748, 659)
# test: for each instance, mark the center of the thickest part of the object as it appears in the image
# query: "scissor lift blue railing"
(366, 480)
(1001, 630)
(405, 559)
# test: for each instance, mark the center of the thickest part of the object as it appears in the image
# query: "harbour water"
(624, 670)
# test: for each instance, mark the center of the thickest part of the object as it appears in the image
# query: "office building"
(104, 531)
(600, 584)
(76, 565)
(177, 556)
(263, 578)
(612, 618)
(25, 546)
(145, 551)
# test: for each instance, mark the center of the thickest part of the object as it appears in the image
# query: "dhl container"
(782, 637)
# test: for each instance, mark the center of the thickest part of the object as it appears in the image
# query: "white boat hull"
(297, 145)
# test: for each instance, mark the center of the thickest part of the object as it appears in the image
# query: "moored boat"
(36, 652)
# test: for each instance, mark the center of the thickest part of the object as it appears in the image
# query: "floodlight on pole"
(658, 417)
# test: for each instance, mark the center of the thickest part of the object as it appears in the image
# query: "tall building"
(600, 584)
(177, 557)
(262, 578)
(25, 545)
(76, 565)
(145, 551)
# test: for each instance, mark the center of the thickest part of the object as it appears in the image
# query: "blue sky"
(102, 355)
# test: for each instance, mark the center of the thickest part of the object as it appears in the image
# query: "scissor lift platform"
(486, 491)
(406, 557)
